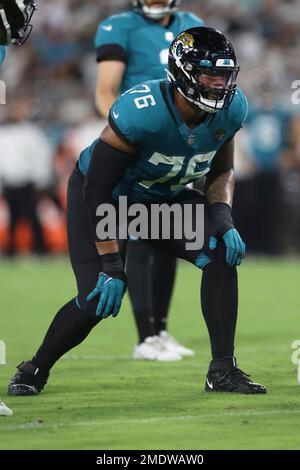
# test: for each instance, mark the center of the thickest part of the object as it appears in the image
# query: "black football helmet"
(15, 17)
(157, 12)
(203, 67)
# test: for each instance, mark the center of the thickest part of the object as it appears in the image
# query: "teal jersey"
(140, 42)
(268, 132)
(2, 54)
(169, 155)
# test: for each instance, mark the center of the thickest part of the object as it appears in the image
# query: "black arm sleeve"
(106, 170)
(222, 162)
(111, 52)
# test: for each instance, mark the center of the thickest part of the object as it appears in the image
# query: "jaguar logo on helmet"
(183, 41)
(203, 68)
(186, 39)
(156, 12)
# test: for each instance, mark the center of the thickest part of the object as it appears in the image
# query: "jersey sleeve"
(120, 119)
(112, 38)
(131, 114)
(2, 54)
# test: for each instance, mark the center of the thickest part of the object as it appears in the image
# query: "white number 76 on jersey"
(143, 101)
(176, 164)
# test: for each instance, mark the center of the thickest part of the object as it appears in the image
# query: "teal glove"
(223, 229)
(111, 291)
(111, 286)
(235, 247)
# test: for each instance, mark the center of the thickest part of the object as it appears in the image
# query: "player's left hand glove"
(111, 286)
(223, 228)
(15, 19)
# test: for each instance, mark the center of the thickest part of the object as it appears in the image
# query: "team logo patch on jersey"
(219, 134)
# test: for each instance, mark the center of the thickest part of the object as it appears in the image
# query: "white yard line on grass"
(154, 419)
(95, 357)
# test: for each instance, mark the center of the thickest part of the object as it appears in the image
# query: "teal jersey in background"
(140, 42)
(169, 155)
(268, 134)
(2, 54)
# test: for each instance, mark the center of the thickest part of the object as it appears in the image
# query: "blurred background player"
(270, 144)
(15, 17)
(4, 410)
(25, 171)
(131, 48)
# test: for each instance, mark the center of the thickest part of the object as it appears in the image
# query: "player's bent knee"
(88, 307)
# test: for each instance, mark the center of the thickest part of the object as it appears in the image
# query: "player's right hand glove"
(223, 228)
(15, 16)
(111, 286)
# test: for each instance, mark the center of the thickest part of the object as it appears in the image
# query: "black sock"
(144, 324)
(219, 300)
(222, 364)
(69, 328)
(139, 268)
(163, 278)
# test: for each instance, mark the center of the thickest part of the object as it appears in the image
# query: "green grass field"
(98, 398)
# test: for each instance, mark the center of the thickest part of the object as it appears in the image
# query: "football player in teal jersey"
(132, 48)
(161, 136)
(14, 28)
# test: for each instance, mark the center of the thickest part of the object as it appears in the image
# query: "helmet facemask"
(15, 17)
(156, 12)
(211, 88)
(27, 8)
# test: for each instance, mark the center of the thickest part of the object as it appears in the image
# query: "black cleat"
(27, 381)
(232, 380)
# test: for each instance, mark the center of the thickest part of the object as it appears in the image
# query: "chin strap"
(202, 106)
